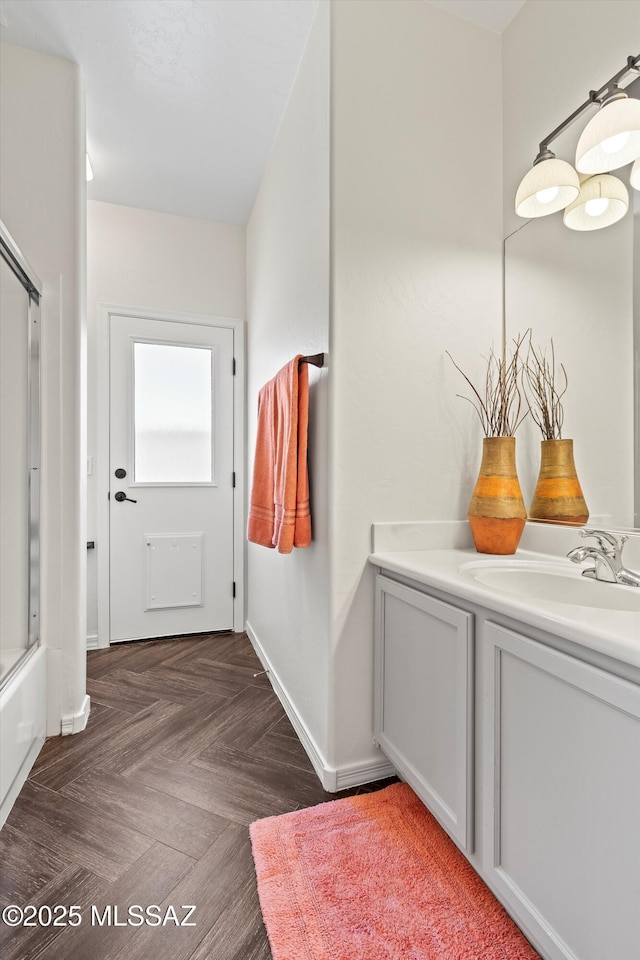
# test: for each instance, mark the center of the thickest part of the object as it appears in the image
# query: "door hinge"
(234, 366)
(234, 589)
(233, 479)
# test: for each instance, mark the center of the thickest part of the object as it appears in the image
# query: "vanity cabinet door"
(424, 700)
(561, 804)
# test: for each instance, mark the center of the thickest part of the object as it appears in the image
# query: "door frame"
(103, 344)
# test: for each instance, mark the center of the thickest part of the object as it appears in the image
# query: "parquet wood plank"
(102, 724)
(284, 728)
(153, 813)
(242, 721)
(149, 880)
(238, 932)
(212, 885)
(134, 735)
(252, 775)
(194, 679)
(113, 691)
(171, 687)
(141, 655)
(283, 749)
(157, 651)
(72, 832)
(74, 886)
(192, 728)
(214, 788)
(26, 865)
(203, 666)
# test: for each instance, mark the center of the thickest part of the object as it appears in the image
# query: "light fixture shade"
(548, 187)
(603, 200)
(634, 178)
(611, 139)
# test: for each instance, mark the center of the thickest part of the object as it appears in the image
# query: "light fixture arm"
(595, 96)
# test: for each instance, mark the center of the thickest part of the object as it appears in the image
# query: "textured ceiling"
(184, 97)
(495, 15)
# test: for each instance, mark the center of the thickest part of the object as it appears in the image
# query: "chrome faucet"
(607, 558)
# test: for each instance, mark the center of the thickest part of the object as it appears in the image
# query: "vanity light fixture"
(89, 170)
(548, 187)
(634, 176)
(602, 200)
(611, 139)
(614, 133)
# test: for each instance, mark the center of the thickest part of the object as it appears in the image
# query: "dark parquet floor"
(150, 805)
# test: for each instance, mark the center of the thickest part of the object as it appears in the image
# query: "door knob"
(121, 496)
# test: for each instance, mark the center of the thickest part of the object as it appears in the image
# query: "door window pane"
(172, 414)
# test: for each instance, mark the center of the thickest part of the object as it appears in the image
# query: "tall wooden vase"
(497, 513)
(558, 496)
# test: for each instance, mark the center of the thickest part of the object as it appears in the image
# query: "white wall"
(576, 288)
(288, 313)
(415, 269)
(416, 246)
(42, 202)
(140, 258)
(636, 362)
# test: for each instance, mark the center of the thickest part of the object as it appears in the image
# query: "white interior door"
(171, 478)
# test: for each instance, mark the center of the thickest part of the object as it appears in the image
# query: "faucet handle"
(608, 542)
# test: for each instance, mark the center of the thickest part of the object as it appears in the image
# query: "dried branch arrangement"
(498, 402)
(543, 391)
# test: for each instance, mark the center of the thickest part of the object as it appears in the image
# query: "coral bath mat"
(374, 877)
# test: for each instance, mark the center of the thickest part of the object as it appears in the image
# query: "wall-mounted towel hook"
(316, 359)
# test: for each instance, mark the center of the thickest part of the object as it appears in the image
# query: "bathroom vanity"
(507, 694)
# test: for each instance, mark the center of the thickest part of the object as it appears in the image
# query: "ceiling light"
(611, 139)
(634, 177)
(549, 186)
(602, 200)
(89, 170)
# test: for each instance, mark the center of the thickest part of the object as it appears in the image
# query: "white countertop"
(615, 633)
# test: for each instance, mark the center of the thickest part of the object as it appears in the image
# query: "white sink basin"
(546, 582)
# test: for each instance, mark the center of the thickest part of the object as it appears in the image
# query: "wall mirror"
(583, 290)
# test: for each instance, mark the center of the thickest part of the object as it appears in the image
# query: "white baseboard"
(307, 741)
(357, 774)
(332, 778)
(92, 641)
(76, 722)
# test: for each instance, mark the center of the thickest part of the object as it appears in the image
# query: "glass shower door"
(19, 460)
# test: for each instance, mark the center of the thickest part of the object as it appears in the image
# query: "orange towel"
(279, 514)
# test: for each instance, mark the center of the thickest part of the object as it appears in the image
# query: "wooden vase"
(497, 514)
(558, 497)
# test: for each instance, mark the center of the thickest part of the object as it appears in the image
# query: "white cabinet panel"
(424, 700)
(562, 748)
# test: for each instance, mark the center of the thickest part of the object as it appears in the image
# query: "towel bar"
(317, 359)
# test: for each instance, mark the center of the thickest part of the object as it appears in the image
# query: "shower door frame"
(22, 269)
